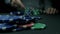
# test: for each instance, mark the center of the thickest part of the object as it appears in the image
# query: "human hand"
(17, 3)
(51, 11)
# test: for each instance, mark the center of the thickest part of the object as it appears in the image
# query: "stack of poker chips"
(20, 20)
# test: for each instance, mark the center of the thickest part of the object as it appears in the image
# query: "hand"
(51, 11)
(13, 3)
(17, 3)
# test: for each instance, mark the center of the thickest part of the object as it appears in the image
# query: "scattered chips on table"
(20, 20)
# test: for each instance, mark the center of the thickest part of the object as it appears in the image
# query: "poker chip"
(10, 18)
(38, 26)
(17, 13)
(14, 30)
(20, 20)
(20, 17)
(17, 29)
(28, 18)
(37, 17)
(15, 25)
(4, 26)
(27, 25)
(11, 13)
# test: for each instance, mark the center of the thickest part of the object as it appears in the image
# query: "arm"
(20, 3)
(17, 3)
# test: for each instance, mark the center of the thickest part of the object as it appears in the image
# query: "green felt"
(38, 26)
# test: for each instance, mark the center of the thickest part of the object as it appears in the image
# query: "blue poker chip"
(11, 17)
(18, 21)
(4, 26)
(18, 29)
(36, 17)
(8, 18)
(22, 19)
(27, 18)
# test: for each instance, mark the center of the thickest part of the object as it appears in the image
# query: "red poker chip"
(27, 25)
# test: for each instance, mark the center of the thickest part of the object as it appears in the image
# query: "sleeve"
(48, 3)
(7, 1)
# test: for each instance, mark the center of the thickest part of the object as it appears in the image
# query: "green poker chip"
(36, 12)
(38, 26)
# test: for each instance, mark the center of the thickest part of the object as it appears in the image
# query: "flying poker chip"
(38, 26)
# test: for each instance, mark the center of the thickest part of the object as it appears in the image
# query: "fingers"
(51, 11)
(54, 11)
(20, 3)
(48, 11)
(17, 3)
(12, 2)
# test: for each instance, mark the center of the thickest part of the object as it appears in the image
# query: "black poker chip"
(18, 29)
(17, 13)
(5, 27)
